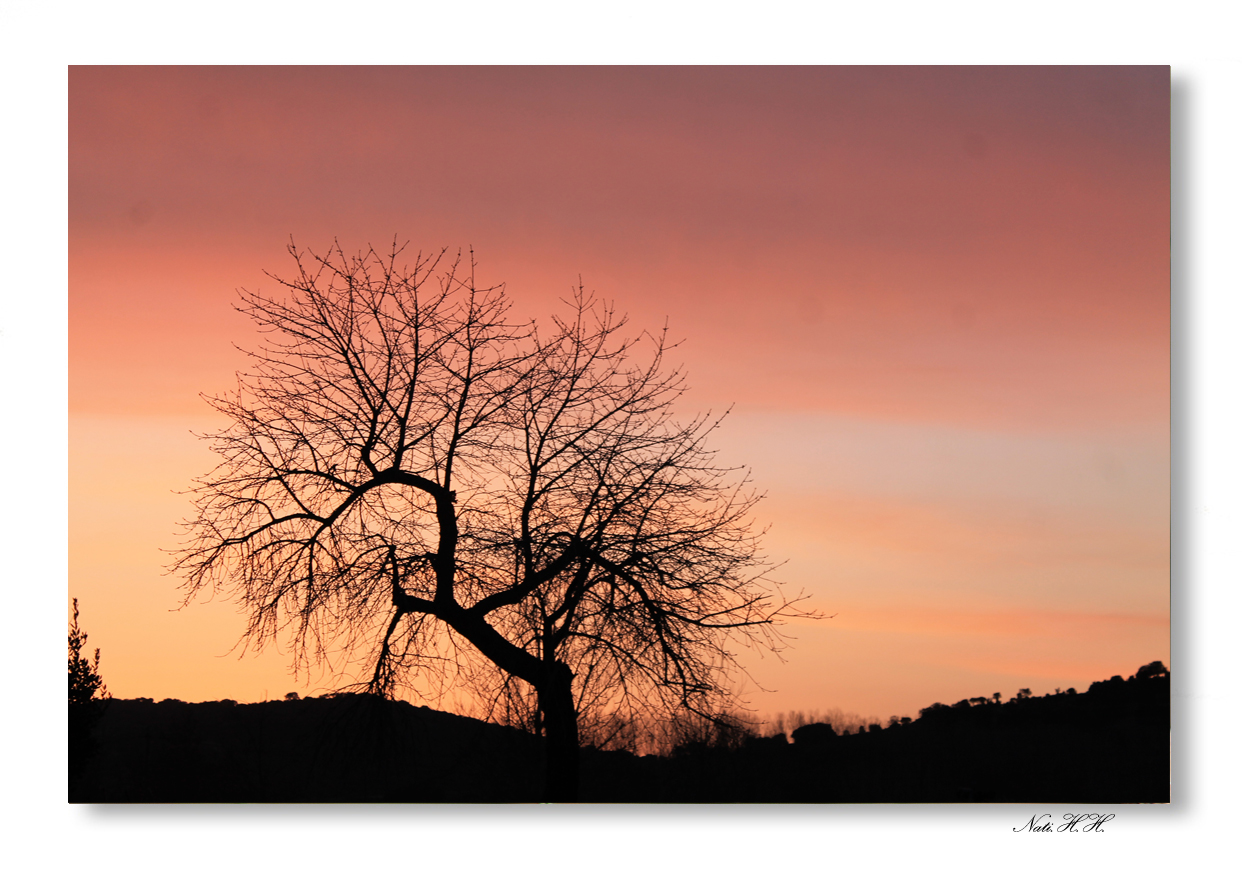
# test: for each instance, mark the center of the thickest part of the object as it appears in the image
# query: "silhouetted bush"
(814, 733)
(88, 696)
(1151, 670)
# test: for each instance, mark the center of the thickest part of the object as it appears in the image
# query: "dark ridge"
(1109, 744)
(341, 748)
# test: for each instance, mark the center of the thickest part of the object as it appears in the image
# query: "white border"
(1200, 43)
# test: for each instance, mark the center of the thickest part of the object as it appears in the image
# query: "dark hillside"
(1107, 745)
(344, 748)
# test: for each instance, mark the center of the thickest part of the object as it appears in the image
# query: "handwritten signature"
(1072, 823)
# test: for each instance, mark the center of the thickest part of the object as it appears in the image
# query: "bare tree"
(413, 479)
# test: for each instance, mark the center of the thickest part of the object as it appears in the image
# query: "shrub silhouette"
(88, 696)
(1152, 670)
(814, 734)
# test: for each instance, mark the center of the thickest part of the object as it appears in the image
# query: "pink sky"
(938, 300)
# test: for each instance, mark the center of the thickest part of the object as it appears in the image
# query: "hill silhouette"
(340, 748)
(1109, 744)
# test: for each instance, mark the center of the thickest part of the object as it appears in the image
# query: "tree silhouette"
(414, 480)
(1152, 670)
(87, 697)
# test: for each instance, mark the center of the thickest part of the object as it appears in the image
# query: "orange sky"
(938, 299)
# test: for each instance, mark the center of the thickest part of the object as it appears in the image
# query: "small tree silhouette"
(1152, 670)
(87, 698)
(416, 479)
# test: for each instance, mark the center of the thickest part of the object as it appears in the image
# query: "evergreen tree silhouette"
(87, 698)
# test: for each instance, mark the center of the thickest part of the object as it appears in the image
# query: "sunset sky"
(937, 300)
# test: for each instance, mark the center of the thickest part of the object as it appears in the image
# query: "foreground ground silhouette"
(1109, 744)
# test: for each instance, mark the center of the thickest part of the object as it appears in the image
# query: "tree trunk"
(560, 735)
